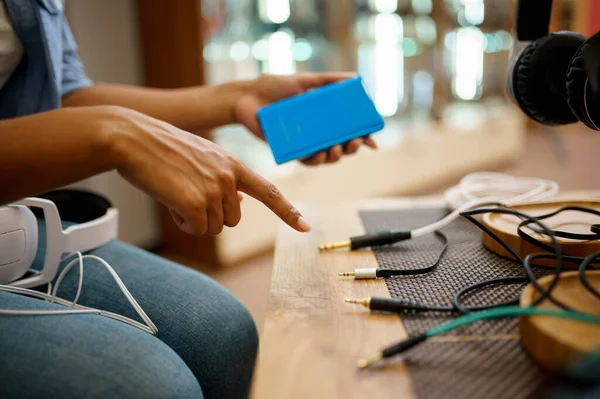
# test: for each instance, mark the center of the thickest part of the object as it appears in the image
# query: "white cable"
(125, 291)
(45, 312)
(430, 228)
(499, 187)
(81, 308)
(489, 188)
(41, 295)
(64, 273)
(149, 327)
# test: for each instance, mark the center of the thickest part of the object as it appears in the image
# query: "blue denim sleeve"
(73, 74)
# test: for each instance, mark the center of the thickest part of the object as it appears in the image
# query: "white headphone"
(97, 225)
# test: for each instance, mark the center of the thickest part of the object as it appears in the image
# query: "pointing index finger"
(264, 191)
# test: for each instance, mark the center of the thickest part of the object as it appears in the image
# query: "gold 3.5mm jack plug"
(369, 240)
(392, 351)
(397, 305)
(372, 272)
(335, 245)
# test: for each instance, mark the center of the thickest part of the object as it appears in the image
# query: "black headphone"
(554, 77)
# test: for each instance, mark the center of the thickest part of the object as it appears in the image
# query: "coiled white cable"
(148, 327)
(499, 187)
(489, 188)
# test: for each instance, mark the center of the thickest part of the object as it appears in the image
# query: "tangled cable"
(72, 306)
(508, 309)
(499, 187)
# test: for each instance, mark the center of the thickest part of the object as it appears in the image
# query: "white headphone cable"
(474, 191)
(499, 187)
(64, 273)
(149, 327)
(489, 188)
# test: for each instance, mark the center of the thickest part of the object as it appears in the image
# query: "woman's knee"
(222, 345)
(151, 375)
(242, 330)
(227, 324)
(202, 321)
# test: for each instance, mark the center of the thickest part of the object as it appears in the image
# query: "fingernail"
(303, 224)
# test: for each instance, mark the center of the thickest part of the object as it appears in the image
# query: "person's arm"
(194, 109)
(198, 109)
(52, 149)
(195, 178)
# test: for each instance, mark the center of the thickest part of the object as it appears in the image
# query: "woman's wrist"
(208, 107)
(113, 133)
(226, 96)
(234, 92)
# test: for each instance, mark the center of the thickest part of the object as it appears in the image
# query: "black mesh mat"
(483, 360)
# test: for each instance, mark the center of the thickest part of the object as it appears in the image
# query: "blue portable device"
(300, 126)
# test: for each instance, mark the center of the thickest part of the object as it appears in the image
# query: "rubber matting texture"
(483, 360)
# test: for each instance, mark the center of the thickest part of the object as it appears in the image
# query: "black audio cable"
(388, 237)
(372, 272)
(395, 305)
(370, 240)
(404, 307)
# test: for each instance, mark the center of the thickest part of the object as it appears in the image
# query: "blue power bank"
(300, 126)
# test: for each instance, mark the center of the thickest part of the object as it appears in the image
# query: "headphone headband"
(97, 224)
(533, 19)
(76, 206)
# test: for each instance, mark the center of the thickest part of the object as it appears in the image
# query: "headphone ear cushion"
(539, 78)
(575, 84)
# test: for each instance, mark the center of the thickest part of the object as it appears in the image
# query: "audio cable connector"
(372, 272)
(370, 240)
(387, 237)
(395, 305)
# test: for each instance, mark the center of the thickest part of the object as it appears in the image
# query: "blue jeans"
(205, 347)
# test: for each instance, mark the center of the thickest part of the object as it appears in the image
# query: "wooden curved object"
(555, 342)
(505, 226)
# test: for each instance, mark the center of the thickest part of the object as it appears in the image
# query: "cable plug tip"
(335, 245)
(364, 302)
(364, 363)
(346, 274)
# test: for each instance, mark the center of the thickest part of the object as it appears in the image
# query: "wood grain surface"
(312, 339)
(505, 226)
(552, 342)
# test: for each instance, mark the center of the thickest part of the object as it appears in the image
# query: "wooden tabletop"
(312, 339)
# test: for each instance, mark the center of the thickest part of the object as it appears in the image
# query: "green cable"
(509, 311)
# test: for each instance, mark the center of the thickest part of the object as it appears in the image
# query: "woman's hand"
(271, 88)
(195, 178)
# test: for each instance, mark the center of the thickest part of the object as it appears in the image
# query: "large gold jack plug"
(364, 363)
(365, 302)
(335, 245)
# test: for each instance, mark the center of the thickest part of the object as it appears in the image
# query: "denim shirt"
(50, 68)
